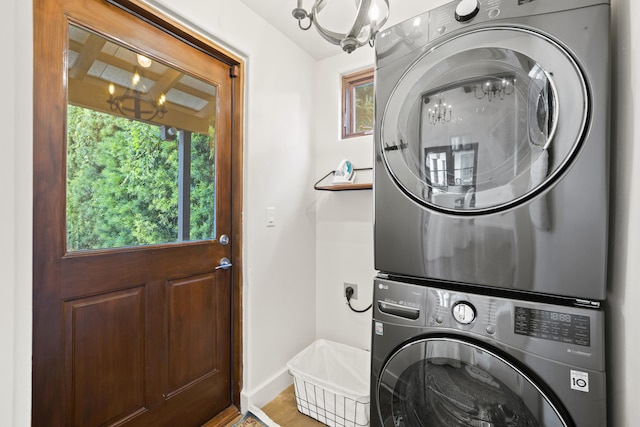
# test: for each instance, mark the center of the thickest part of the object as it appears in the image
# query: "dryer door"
(485, 121)
(450, 382)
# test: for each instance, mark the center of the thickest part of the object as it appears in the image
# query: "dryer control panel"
(457, 15)
(461, 13)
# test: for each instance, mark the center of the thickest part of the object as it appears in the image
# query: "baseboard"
(265, 392)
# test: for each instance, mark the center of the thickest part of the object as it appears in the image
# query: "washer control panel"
(565, 333)
(553, 325)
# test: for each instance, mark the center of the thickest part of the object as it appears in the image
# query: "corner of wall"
(262, 394)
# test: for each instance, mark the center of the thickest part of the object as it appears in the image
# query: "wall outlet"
(350, 285)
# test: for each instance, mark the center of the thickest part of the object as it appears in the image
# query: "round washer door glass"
(448, 382)
(485, 121)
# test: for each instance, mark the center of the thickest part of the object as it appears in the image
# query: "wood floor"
(281, 410)
(228, 417)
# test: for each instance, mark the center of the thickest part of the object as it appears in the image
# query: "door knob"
(225, 264)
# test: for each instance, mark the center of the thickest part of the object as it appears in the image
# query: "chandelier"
(497, 88)
(363, 31)
(136, 102)
(440, 113)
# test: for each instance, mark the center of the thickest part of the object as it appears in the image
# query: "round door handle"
(225, 264)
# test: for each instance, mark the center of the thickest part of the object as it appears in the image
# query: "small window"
(357, 104)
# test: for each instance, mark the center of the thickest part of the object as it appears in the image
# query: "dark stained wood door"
(130, 334)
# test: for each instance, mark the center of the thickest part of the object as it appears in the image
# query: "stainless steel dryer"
(491, 145)
(452, 358)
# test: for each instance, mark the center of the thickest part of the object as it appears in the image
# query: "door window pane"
(141, 140)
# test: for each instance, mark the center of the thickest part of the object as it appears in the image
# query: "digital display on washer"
(553, 325)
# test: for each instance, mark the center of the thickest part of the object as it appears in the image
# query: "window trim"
(349, 83)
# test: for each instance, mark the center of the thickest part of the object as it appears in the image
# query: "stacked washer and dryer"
(491, 200)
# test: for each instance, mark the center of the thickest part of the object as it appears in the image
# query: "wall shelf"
(343, 187)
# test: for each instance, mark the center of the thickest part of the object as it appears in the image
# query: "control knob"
(467, 10)
(464, 313)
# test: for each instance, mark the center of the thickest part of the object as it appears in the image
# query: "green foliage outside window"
(122, 183)
(364, 108)
(358, 103)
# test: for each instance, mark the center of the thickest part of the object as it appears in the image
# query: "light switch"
(271, 217)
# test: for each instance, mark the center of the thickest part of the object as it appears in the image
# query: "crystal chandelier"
(363, 31)
(496, 88)
(440, 113)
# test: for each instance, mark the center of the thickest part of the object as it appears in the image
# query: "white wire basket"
(331, 382)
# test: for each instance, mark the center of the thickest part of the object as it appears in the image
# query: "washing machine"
(491, 143)
(443, 356)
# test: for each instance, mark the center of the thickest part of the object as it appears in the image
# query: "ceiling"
(278, 14)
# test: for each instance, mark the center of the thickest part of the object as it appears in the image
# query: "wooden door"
(132, 319)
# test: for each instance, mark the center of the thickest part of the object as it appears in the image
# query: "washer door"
(449, 382)
(485, 121)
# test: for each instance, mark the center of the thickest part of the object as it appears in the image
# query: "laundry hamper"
(331, 382)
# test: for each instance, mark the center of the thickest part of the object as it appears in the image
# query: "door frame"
(195, 39)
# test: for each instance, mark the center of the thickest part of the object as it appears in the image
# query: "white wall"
(15, 224)
(344, 220)
(624, 289)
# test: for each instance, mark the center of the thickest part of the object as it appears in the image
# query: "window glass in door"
(141, 143)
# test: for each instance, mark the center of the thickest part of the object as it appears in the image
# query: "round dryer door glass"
(485, 121)
(447, 382)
